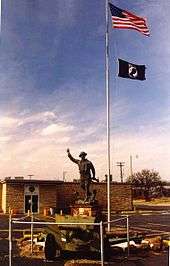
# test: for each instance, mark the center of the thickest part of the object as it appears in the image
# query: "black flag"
(131, 71)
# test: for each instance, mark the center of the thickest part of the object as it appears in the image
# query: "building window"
(31, 194)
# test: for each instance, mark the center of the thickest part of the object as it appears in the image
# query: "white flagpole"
(0, 15)
(108, 113)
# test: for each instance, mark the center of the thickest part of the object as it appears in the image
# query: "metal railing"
(32, 223)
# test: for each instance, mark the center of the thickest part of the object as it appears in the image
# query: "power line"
(121, 164)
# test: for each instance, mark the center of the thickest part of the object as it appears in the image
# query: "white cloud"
(40, 117)
(46, 156)
(8, 122)
(43, 150)
(56, 128)
(4, 139)
(63, 140)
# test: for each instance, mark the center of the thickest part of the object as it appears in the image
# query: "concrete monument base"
(84, 209)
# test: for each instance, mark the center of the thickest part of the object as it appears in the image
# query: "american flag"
(123, 19)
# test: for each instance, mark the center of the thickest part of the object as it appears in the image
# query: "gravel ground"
(149, 259)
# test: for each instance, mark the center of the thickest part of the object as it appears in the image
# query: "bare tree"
(147, 182)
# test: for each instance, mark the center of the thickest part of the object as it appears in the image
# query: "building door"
(27, 203)
(31, 199)
(35, 203)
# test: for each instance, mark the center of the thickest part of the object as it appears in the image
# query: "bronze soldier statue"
(86, 168)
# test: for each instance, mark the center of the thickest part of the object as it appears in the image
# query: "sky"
(52, 89)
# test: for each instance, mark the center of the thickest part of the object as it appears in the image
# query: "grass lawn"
(158, 201)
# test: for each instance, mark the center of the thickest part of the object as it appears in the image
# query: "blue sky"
(52, 93)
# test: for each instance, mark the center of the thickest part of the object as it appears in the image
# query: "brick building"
(22, 194)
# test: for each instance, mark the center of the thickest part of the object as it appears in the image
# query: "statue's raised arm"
(71, 157)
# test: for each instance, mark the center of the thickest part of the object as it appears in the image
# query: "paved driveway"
(151, 223)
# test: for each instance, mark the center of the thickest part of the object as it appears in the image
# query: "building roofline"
(31, 181)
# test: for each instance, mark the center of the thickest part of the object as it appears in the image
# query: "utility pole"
(131, 166)
(30, 176)
(121, 164)
(64, 176)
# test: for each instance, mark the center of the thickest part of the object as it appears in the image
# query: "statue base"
(84, 209)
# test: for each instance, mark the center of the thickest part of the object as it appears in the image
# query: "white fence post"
(169, 250)
(101, 243)
(32, 219)
(127, 224)
(10, 237)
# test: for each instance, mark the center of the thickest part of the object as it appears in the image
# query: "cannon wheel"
(52, 249)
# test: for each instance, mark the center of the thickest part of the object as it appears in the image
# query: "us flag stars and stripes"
(122, 19)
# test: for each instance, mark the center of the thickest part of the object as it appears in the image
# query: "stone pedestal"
(84, 210)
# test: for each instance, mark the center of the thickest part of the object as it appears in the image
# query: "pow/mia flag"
(131, 71)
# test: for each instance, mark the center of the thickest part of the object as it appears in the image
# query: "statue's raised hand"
(68, 150)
